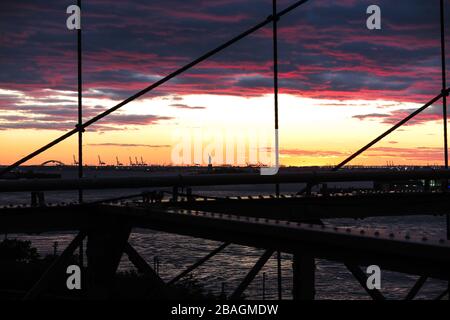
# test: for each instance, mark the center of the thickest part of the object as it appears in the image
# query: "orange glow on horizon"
(312, 132)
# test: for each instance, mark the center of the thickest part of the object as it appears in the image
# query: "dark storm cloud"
(54, 113)
(325, 50)
(432, 113)
(57, 121)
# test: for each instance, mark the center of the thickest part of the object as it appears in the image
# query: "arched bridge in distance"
(53, 162)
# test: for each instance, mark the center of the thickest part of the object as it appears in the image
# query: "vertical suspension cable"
(444, 81)
(444, 100)
(80, 132)
(80, 108)
(444, 108)
(275, 84)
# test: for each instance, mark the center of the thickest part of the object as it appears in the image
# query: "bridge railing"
(313, 177)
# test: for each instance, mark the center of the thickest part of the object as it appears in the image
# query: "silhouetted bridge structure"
(276, 223)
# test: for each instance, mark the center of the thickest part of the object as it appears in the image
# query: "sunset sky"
(341, 84)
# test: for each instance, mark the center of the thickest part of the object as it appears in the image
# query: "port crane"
(100, 162)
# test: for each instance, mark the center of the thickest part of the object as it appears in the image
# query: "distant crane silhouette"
(100, 162)
(137, 162)
(118, 162)
(131, 162)
(142, 162)
(75, 162)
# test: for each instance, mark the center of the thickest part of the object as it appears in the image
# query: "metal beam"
(145, 268)
(318, 207)
(141, 264)
(295, 209)
(415, 289)
(199, 263)
(303, 272)
(313, 177)
(252, 274)
(442, 295)
(105, 247)
(409, 254)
